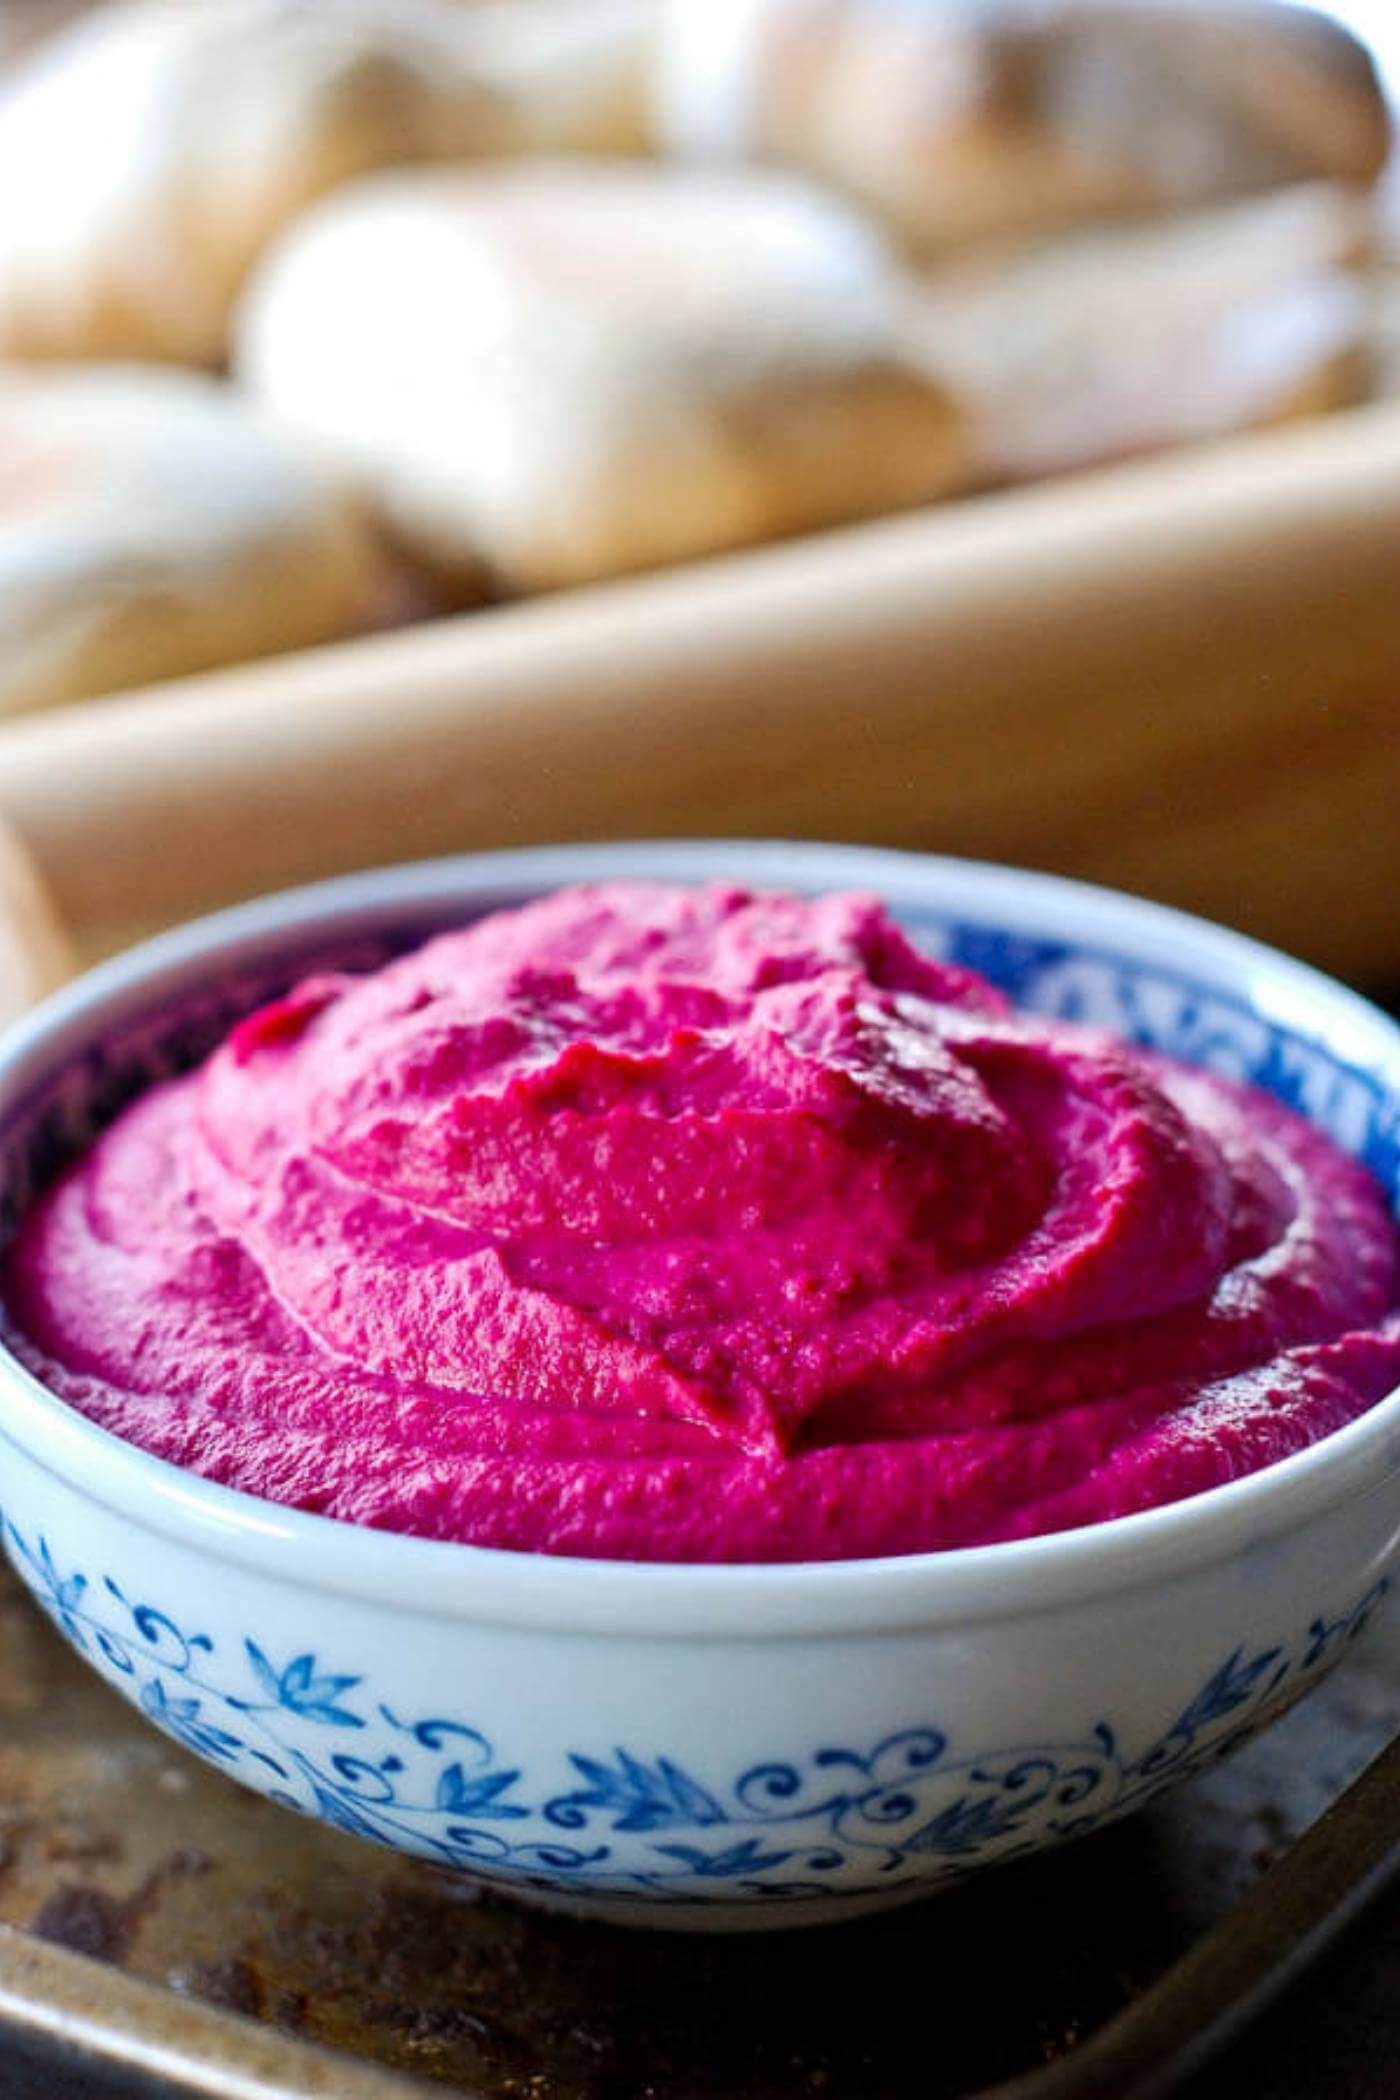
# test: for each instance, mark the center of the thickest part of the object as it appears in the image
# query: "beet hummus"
(705, 1225)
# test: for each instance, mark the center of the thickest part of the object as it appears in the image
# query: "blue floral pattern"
(839, 1824)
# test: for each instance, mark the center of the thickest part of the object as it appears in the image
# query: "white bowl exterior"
(704, 1762)
(688, 1781)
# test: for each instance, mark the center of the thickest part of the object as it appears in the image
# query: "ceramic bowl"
(704, 1746)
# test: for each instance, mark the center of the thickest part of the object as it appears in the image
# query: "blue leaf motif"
(184, 1719)
(267, 1677)
(1234, 1685)
(1228, 1688)
(746, 1857)
(966, 1825)
(476, 1795)
(68, 1596)
(300, 1691)
(343, 1812)
(115, 1651)
(638, 1796)
(61, 1595)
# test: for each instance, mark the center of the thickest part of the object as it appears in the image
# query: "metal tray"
(154, 1899)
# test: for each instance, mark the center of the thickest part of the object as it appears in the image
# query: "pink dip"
(697, 1225)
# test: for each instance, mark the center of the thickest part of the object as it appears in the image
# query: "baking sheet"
(118, 1845)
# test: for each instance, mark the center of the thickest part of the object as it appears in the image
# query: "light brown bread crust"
(150, 526)
(159, 145)
(959, 126)
(564, 373)
(1097, 345)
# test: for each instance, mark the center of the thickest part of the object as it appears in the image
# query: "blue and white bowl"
(704, 1746)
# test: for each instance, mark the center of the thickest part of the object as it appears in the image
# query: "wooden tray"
(1182, 677)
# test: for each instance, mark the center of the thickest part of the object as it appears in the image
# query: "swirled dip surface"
(704, 1225)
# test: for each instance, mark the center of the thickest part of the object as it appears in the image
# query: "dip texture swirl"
(704, 1225)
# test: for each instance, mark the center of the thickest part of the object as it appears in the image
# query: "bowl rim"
(1014, 1578)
